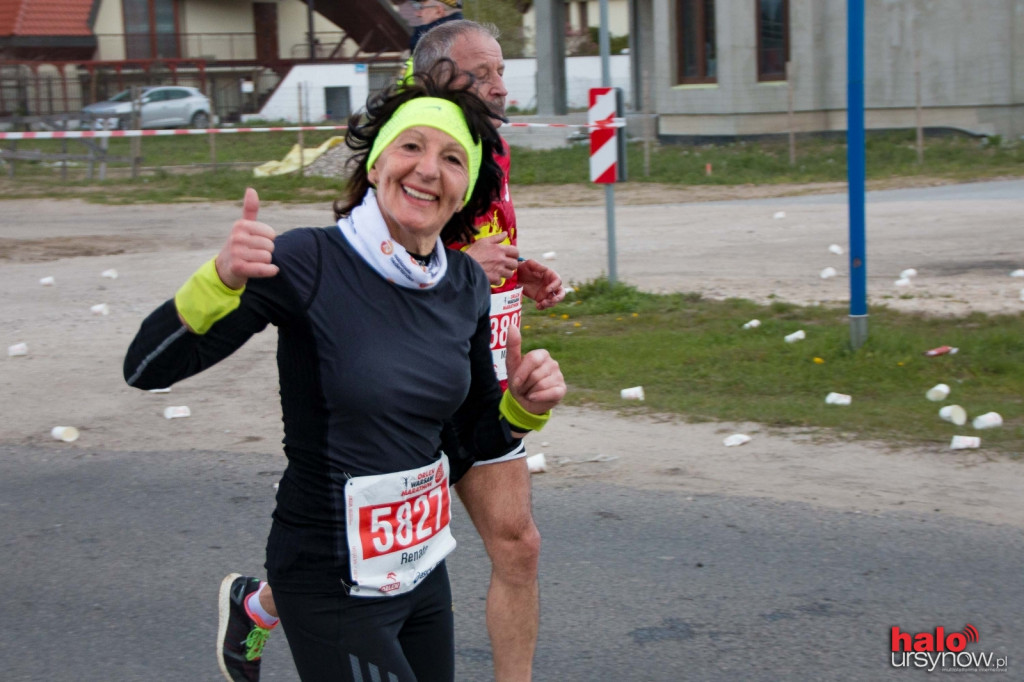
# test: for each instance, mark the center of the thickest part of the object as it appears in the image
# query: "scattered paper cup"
(989, 420)
(68, 434)
(1017, 273)
(109, 274)
(838, 399)
(549, 255)
(100, 309)
(537, 464)
(736, 439)
(828, 273)
(47, 281)
(902, 282)
(937, 393)
(908, 273)
(798, 335)
(779, 215)
(753, 324)
(836, 249)
(964, 442)
(632, 393)
(954, 414)
(17, 349)
(177, 411)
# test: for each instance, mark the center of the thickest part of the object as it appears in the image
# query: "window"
(697, 53)
(772, 39)
(150, 28)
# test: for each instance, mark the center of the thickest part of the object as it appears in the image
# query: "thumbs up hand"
(534, 379)
(247, 252)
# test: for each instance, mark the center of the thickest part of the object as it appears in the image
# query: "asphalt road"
(112, 562)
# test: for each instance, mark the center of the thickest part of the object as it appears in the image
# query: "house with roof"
(56, 55)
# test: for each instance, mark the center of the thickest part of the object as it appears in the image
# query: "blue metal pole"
(855, 164)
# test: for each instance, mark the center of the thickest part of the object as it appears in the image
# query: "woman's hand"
(534, 379)
(249, 248)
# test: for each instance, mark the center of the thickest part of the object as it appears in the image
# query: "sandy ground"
(963, 240)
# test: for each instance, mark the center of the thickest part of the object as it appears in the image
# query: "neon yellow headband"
(433, 112)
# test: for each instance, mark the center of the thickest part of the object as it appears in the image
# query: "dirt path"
(963, 240)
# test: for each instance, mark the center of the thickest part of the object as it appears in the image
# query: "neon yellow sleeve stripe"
(204, 299)
(518, 418)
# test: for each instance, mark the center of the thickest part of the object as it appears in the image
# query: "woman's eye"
(410, 146)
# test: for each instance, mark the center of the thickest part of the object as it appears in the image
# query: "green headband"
(433, 112)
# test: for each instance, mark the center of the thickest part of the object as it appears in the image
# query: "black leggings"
(408, 638)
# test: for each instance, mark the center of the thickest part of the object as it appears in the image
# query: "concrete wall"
(971, 69)
(581, 74)
(284, 104)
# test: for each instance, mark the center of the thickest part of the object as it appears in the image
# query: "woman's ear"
(373, 175)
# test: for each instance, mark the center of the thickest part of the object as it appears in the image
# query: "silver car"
(165, 106)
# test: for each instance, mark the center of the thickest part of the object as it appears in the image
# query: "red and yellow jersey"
(506, 297)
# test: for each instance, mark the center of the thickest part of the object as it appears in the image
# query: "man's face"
(480, 55)
(429, 11)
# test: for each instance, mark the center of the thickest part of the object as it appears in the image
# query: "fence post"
(302, 153)
(136, 143)
(789, 98)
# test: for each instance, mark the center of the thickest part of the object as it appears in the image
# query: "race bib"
(506, 309)
(398, 528)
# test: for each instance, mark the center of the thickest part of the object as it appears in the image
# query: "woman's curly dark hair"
(445, 81)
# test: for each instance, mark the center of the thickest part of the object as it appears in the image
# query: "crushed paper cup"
(964, 442)
(68, 434)
(908, 273)
(937, 393)
(1017, 273)
(17, 349)
(736, 439)
(47, 281)
(632, 393)
(836, 249)
(902, 282)
(779, 215)
(177, 411)
(838, 399)
(989, 420)
(941, 350)
(537, 464)
(100, 309)
(828, 273)
(798, 335)
(548, 255)
(109, 274)
(753, 324)
(953, 414)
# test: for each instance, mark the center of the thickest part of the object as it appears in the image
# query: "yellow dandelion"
(526, 326)
(900, 363)
(636, 314)
(819, 361)
(577, 324)
(565, 316)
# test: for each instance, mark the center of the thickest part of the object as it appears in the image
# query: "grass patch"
(889, 155)
(694, 360)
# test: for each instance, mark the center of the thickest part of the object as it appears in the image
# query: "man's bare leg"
(497, 497)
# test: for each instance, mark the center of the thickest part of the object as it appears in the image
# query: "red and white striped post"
(606, 141)
(604, 147)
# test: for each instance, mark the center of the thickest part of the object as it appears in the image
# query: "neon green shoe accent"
(255, 642)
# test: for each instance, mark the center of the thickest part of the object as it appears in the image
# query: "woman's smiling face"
(421, 180)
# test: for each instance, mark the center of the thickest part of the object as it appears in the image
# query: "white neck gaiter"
(366, 231)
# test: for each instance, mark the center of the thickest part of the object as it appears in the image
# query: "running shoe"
(240, 639)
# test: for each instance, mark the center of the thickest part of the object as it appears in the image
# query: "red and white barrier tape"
(92, 134)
